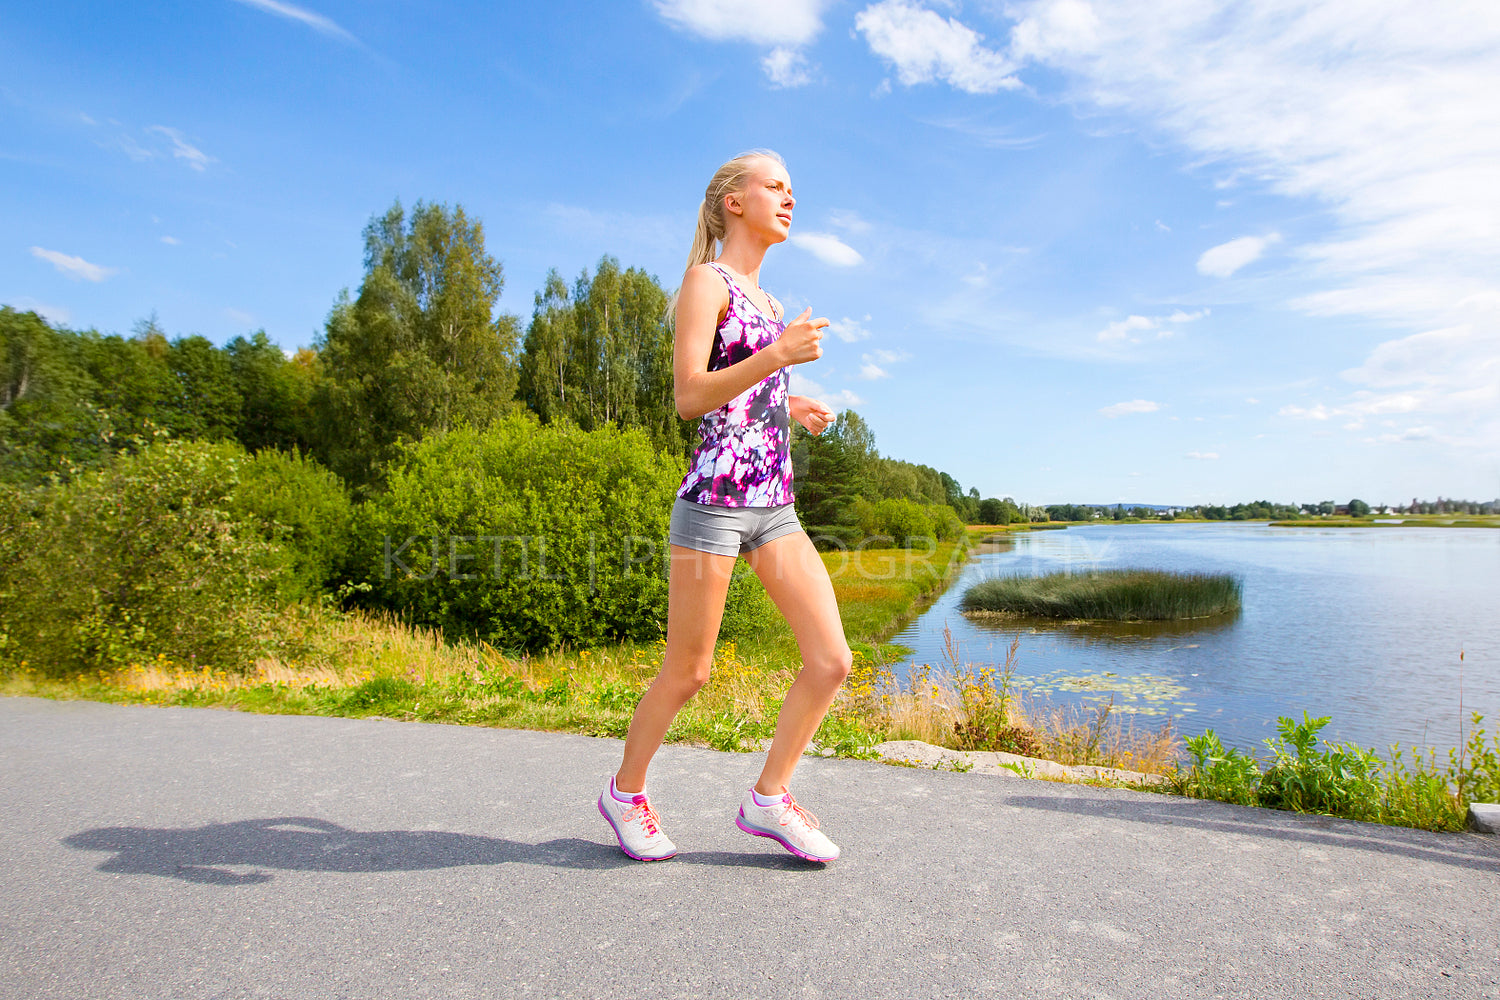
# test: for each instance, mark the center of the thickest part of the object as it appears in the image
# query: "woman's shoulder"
(706, 278)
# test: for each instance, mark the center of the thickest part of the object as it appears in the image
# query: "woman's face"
(765, 204)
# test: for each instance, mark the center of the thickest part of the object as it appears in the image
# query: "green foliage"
(1475, 765)
(525, 536)
(420, 349)
(304, 509)
(1219, 773)
(601, 354)
(748, 609)
(50, 423)
(1108, 595)
(275, 391)
(1341, 780)
(1358, 508)
(906, 522)
(137, 559)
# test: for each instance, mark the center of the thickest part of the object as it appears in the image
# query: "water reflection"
(1171, 633)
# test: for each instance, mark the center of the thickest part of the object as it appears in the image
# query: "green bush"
(907, 522)
(304, 509)
(946, 524)
(748, 608)
(524, 535)
(138, 559)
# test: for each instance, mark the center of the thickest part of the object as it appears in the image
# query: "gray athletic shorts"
(729, 531)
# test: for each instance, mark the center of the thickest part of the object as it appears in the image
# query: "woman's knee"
(831, 667)
(686, 679)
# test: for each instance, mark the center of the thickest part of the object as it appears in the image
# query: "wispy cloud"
(1131, 329)
(171, 241)
(317, 22)
(849, 330)
(1127, 408)
(785, 25)
(1226, 258)
(51, 313)
(183, 150)
(786, 67)
(1207, 456)
(870, 366)
(74, 267)
(828, 248)
(925, 47)
(843, 398)
(1387, 120)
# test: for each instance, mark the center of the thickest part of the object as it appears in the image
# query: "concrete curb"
(916, 753)
(1484, 817)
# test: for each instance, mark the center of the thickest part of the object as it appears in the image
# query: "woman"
(730, 367)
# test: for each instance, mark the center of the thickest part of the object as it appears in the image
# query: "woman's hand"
(801, 341)
(811, 414)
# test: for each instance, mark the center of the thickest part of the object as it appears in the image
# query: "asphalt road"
(191, 853)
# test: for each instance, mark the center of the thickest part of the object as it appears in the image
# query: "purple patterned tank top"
(744, 458)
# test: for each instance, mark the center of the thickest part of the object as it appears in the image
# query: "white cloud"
(1162, 227)
(1385, 119)
(849, 330)
(924, 47)
(870, 368)
(1202, 455)
(764, 22)
(828, 248)
(1315, 412)
(786, 67)
(1226, 258)
(785, 25)
(843, 398)
(315, 21)
(74, 267)
(171, 241)
(1133, 406)
(182, 149)
(1124, 330)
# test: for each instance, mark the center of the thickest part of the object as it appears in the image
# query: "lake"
(1365, 625)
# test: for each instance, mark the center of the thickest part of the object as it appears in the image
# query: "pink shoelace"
(642, 810)
(793, 808)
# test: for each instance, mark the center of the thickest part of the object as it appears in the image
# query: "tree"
(1358, 508)
(206, 405)
(275, 393)
(48, 421)
(420, 349)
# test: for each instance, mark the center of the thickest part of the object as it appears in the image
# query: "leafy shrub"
(1341, 780)
(946, 524)
(1219, 773)
(905, 521)
(748, 608)
(142, 557)
(524, 535)
(304, 509)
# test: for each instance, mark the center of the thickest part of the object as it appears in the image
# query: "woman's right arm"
(700, 304)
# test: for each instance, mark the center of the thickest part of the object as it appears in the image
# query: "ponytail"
(727, 180)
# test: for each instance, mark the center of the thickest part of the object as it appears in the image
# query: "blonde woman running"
(730, 367)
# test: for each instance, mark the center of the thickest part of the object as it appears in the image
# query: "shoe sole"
(628, 852)
(744, 824)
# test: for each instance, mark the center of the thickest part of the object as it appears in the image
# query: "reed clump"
(1108, 595)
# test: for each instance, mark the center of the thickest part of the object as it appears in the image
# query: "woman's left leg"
(794, 576)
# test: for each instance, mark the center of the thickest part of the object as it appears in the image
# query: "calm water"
(1365, 625)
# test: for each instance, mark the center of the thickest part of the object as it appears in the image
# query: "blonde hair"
(727, 180)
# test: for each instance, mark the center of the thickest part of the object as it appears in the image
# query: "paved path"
(188, 853)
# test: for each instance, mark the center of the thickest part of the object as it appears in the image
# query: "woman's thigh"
(697, 584)
(794, 576)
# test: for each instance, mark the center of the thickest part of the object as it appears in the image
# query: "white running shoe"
(785, 821)
(636, 825)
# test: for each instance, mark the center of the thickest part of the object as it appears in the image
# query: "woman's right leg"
(697, 584)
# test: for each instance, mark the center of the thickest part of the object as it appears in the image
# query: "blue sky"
(1152, 251)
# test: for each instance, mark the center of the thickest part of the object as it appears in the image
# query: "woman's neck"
(743, 256)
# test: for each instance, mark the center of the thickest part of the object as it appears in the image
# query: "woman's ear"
(732, 203)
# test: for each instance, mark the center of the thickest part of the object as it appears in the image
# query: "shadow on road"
(220, 853)
(1460, 850)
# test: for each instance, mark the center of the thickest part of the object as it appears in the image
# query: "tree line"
(419, 349)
